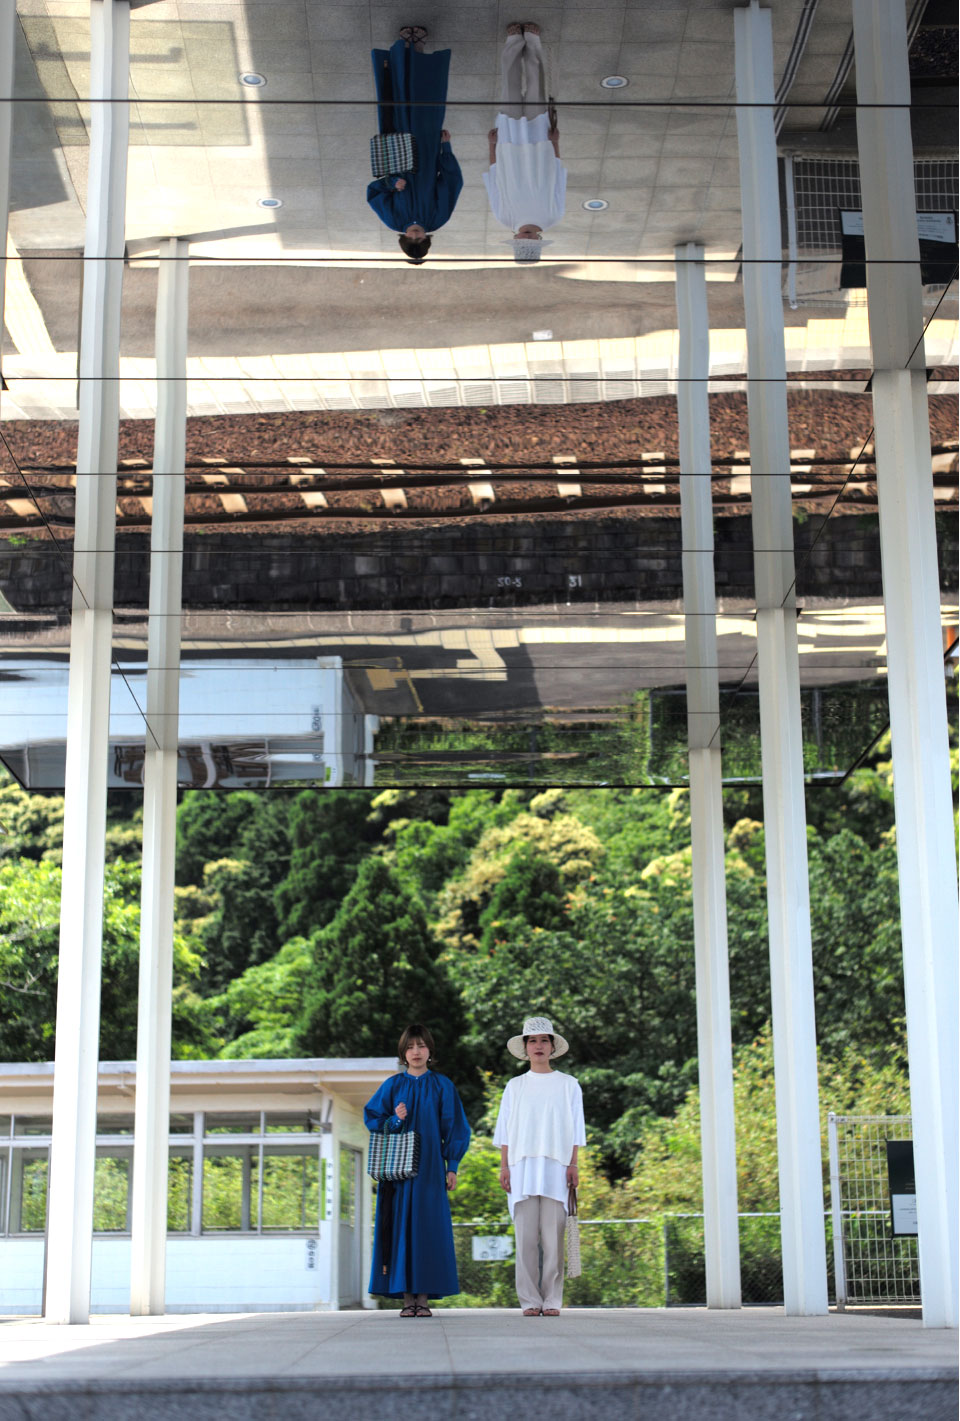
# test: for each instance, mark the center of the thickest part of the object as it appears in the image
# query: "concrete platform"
(756, 1365)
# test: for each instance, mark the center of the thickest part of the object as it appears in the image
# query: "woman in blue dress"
(415, 204)
(413, 1255)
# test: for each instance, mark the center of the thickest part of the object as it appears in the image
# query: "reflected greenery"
(642, 743)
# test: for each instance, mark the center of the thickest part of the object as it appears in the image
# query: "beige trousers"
(539, 1224)
(522, 73)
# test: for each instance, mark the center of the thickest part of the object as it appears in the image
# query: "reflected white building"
(243, 724)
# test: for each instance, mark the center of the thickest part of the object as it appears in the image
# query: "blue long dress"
(403, 75)
(413, 1236)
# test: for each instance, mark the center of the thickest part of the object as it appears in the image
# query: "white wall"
(236, 1274)
(21, 1275)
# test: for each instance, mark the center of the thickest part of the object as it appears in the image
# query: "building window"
(180, 1192)
(229, 1172)
(111, 1191)
(226, 1123)
(227, 1180)
(302, 1122)
(32, 1124)
(114, 1124)
(28, 1194)
(290, 1193)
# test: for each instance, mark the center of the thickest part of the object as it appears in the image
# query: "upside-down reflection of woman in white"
(526, 182)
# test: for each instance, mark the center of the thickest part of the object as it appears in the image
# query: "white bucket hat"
(527, 249)
(537, 1026)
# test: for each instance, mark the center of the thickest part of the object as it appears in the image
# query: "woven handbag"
(393, 1155)
(393, 153)
(573, 1235)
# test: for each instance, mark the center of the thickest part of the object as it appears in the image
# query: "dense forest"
(316, 923)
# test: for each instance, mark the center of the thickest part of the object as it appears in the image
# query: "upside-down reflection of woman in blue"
(412, 94)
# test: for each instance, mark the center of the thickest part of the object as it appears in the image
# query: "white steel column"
(70, 1226)
(717, 1126)
(8, 22)
(915, 673)
(148, 1245)
(803, 1239)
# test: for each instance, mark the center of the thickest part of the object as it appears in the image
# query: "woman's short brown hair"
(415, 1032)
(415, 251)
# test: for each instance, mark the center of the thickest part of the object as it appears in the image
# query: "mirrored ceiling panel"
(433, 497)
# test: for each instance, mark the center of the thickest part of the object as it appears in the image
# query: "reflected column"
(803, 1242)
(718, 1129)
(73, 1149)
(8, 22)
(148, 1244)
(915, 679)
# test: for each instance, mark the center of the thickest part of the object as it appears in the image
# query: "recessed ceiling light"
(252, 81)
(269, 202)
(614, 81)
(596, 204)
(543, 335)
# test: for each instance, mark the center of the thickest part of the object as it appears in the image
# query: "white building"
(269, 1204)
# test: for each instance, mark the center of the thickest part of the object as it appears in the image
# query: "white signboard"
(936, 227)
(931, 226)
(491, 1248)
(904, 1208)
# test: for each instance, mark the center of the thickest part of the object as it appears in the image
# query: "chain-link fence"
(656, 1262)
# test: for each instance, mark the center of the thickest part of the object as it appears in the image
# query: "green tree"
(560, 839)
(236, 923)
(32, 823)
(857, 958)
(29, 945)
(330, 833)
(209, 827)
(430, 851)
(262, 1005)
(376, 969)
(530, 892)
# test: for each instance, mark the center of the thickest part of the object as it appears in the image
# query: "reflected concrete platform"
(676, 1365)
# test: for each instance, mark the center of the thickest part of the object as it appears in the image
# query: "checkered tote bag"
(573, 1236)
(393, 153)
(393, 1155)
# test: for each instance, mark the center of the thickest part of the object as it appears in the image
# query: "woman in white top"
(539, 1130)
(526, 183)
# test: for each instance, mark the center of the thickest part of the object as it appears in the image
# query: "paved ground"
(460, 1341)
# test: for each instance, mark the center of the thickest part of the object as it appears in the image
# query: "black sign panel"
(903, 1187)
(938, 248)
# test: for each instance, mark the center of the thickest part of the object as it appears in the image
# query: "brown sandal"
(413, 34)
(531, 1312)
(423, 1311)
(410, 1310)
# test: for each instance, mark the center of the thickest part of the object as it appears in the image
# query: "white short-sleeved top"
(526, 1100)
(527, 183)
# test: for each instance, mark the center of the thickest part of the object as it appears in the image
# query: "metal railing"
(646, 1262)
